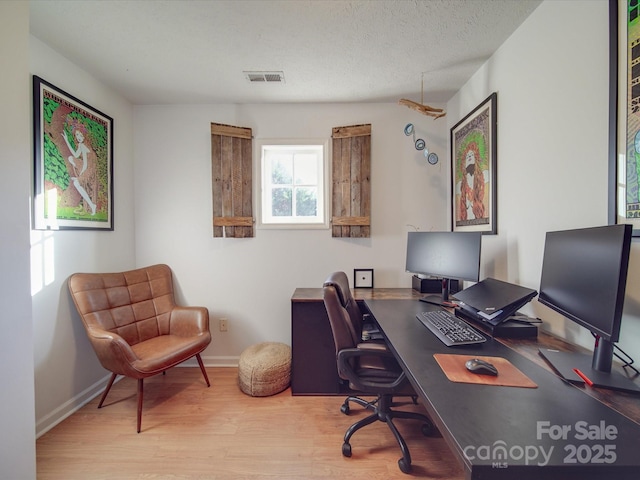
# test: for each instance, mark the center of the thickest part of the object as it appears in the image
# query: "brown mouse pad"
(508, 375)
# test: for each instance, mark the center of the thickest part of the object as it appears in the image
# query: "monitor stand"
(437, 300)
(564, 364)
(441, 300)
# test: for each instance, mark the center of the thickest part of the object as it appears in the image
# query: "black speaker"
(433, 285)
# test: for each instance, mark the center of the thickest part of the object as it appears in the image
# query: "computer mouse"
(481, 367)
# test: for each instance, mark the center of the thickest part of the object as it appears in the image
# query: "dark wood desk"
(507, 432)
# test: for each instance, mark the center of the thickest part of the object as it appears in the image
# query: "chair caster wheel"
(427, 429)
(346, 449)
(345, 409)
(404, 466)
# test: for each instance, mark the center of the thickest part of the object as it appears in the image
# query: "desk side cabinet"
(313, 361)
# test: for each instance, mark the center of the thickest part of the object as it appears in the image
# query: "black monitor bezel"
(447, 275)
(612, 334)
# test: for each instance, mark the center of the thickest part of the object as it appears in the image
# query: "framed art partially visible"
(73, 150)
(624, 113)
(473, 169)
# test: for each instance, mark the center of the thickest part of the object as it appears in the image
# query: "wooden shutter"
(231, 177)
(351, 182)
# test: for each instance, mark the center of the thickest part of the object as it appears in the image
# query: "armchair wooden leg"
(140, 391)
(106, 390)
(204, 372)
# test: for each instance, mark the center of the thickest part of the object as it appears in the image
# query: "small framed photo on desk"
(363, 277)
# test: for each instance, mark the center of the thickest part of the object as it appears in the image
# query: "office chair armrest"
(385, 384)
(373, 346)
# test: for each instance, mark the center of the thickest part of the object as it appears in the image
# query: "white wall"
(250, 281)
(552, 83)
(17, 445)
(67, 372)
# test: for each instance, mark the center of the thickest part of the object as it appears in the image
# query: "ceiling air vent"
(262, 77)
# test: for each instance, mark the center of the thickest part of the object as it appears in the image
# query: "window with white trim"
(293, 179)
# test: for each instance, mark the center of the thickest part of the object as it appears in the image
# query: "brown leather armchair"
(134, 325)
(369, 368)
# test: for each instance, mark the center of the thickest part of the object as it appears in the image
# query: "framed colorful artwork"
(73, 150)
(473, 170)
(624, 113)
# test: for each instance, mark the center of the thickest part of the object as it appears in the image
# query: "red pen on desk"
(584, 377)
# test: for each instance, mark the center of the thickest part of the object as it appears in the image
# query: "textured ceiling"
(168, 52)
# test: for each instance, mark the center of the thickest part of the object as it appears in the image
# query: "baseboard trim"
(213, 362)
(68, 408)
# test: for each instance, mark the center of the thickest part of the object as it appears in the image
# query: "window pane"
(306, 169)
(306, 202)
(281, 169)
(281, 204)
(293, 184)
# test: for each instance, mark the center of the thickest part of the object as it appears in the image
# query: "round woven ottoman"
(264, 369)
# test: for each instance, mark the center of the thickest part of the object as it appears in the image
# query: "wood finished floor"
(218, 433)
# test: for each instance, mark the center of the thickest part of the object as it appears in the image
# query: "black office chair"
(355, 327)
(368, 367)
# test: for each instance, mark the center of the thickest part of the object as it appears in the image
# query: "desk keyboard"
(450, 329)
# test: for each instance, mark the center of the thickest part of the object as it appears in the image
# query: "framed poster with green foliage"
(624, 113)
(73, 149)
(473, 170)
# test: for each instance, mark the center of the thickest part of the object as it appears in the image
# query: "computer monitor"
(584, 276)
(445, 255)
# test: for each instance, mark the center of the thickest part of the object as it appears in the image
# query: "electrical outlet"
(223, 324)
